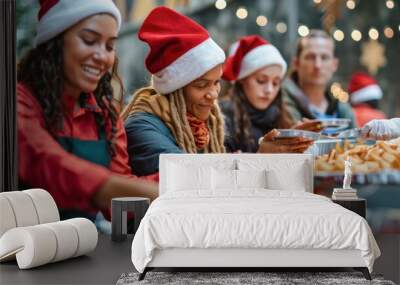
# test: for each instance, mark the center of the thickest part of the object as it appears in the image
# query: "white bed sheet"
(252, 218)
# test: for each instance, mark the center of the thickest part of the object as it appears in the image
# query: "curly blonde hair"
(171, 109)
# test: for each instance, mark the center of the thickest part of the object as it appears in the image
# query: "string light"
(303, 31)
(220, 4)
(351, 4)
(282, 27)
(343, 97)
(335, 88)
(241, 13)
(389, 4)
(262, 21)
(389, 33)
(338, 35)
(373, 34)
(338, 92)
(356, 35)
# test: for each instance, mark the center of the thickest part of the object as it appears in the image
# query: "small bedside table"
(120, 208)
(358, 206)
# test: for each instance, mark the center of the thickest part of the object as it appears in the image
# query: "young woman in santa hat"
(71, 140)
(253, 104)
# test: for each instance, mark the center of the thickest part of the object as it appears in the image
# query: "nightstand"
(358, 206)
(119, 215)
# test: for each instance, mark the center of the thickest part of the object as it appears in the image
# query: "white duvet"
(250, 219)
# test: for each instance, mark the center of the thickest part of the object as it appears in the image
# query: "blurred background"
(367, 37)
(367, 34)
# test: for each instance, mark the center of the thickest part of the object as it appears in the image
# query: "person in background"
(365, 95)
(71, 141)
(307, 90)
(384, 129)
(253, 104)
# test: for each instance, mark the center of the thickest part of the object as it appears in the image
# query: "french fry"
(357, 149)
(389, 157)
(374, 156)
(346, 145)
(388, 149)
(360, 168)
(324, 166)
(339, 165)
(384, 164)
(331, 156)
(372, 166)
(338, 148)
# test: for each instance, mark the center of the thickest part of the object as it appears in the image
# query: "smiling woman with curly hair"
(71, 140)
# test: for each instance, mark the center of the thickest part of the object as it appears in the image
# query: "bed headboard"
(289, 166)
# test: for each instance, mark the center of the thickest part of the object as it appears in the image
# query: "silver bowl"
(324, 146)
(339, 124)
(291, 133)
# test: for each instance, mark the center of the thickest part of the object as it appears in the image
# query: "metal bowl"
(334, 126)
(291, 133)
(323, 146)
(350, 134)
(335, 123)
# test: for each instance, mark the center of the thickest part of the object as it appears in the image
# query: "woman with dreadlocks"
(253, 107)
(179, 112)
(71, 140)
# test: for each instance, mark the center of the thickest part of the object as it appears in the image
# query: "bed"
(246, 211)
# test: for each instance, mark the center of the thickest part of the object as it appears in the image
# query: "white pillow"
(188, 177)
(224, 179)
(281, 180)
(251, 178)
(281, 173)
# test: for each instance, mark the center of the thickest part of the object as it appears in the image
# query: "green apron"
(96, 151)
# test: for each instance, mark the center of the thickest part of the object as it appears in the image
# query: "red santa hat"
(180, 49)
(363, 87)
(248, 55)
(56, 16)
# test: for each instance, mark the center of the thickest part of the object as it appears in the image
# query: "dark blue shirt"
(148, 136)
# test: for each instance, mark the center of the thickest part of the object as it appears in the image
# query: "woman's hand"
(118, 186)
(309, 125)
(271, 144)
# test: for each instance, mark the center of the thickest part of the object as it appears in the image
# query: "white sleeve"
(382, 129)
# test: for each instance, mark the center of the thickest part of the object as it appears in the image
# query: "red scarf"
(199, 130)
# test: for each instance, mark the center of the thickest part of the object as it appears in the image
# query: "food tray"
(386, 176)
(324, 146)
(291, 133)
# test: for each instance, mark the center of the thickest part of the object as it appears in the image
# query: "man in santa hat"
(365, 96)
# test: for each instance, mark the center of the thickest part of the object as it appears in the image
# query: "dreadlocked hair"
(241, 118)
(42, 70)
(177, 120)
